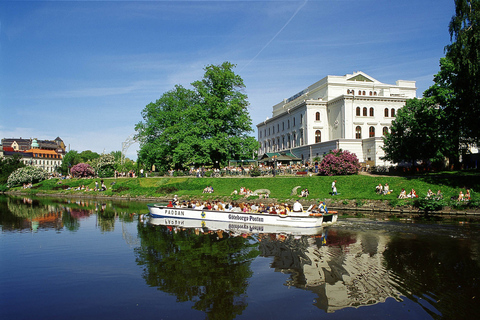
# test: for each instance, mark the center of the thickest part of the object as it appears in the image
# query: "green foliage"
(104, 165)
(3, 187)
(205, 126)
(9, 165)
(255, 172)
(416, 133)
(359, 203)
(429, 204)
(88, 155)
(70, 159)
(464, 52)
(29, 174)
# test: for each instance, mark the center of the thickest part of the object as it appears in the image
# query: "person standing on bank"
(334, 188)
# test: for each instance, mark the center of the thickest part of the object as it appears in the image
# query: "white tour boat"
(304, 219)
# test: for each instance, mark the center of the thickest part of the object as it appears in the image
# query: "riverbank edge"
(370, 208)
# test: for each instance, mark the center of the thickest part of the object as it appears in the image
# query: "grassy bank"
(358, 188)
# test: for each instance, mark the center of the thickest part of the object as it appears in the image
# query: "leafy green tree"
(208, 125)
(8, 165)
(104, 165)
(464, 53)
(88, 155)
(70, 159)
(416, 133)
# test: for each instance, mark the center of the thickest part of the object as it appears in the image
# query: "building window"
(363, 92)
(318, 136)
(358, 132)
(294, 121)
(358, 111)
(278, 127)
(371, 132)
(386, 112)
(385, 131)
(301, 118)
(288, 124)
(393, 112)
(364, 111)
(371, 112)
(371, 92)
(359, 92)
(317, 116)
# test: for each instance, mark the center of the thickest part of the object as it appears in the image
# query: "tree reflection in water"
(210, 269)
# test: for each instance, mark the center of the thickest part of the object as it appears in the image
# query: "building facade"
(45, 154)
(350, 112)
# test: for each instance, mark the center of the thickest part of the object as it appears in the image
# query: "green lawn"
(355, 187)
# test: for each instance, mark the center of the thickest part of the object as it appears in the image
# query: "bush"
(429, 204)
(339, 162)
(255, 172)
(82, 170)
(29, 174)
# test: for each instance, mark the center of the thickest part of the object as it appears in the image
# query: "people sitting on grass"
(379, 189)
(208, 189)
(403, 194)
(304, 193)
(460, 196)
(412, 194)
(467, 196)
(430, 193)
(386, 189)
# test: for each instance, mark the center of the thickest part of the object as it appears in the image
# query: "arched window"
(363, 92)
(317, 116)
(386, 112)
(371, 132)
(358, 132)
(371, 112)
(318, 136)
(364, 111)
(385, 130)
(374, 93)
(393, 112)
(359, 92)
(358, 111)
(371, 92)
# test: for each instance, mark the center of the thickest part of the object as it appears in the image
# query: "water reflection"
(352, 264)
(22, 214)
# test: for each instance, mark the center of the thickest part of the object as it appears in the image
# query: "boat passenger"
(323, 207)
(297, 207)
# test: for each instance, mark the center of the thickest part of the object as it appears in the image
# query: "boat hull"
(235, 227)
(301, 221)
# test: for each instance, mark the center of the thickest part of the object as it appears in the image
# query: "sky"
(84, 70)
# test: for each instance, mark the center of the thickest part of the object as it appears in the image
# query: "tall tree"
(416, 133)
(207, 125)
(464, 52)
(70, 159)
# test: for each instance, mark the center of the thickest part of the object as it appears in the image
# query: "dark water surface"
(94, 259)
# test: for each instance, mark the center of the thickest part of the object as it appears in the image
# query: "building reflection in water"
(342, 269)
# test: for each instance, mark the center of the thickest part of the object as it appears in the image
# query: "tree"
(70, 159)
(208, 125)
(416, 133)
(464, 53)
(29, 174)
(8, 165)
(339, 162)
(88, 155)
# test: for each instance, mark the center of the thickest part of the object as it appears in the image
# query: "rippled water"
(68, 259)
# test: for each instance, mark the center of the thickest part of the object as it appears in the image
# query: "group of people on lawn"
(379, 189)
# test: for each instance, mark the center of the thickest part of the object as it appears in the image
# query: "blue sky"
(84, 70)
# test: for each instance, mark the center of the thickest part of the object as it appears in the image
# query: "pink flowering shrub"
(82, 170)
(339, 162)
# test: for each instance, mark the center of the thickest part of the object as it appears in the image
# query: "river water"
(101, 259)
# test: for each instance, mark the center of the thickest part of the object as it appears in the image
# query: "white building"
(349, 112)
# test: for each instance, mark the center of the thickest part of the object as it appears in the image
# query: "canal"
(101, 259)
